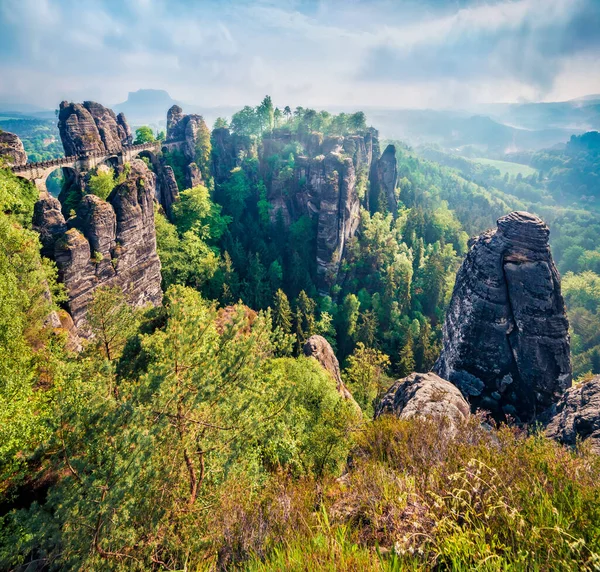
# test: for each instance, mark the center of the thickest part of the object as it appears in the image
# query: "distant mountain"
(146, 106)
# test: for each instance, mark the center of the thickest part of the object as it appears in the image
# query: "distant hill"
(474, 135)
(146, 106)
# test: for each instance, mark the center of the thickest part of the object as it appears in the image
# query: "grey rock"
(167, 191)
(193, 176)
(577, 415)
(385, 178)
(110, 243)
(424, 395)
(320, 349)
(12, 151)
(91, 127)
(49, 222)
(506, 320)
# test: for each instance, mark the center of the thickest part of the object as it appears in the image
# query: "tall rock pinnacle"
(506, 334)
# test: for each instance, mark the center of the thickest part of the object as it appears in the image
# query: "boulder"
(577, 415)
(12, 151)
(319, 348)
(424, 395)
(506, 334)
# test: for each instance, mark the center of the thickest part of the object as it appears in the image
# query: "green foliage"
(17, 197)
(366, 377)
(111, 321)
(144, 134)
(102, 183)
(27, 284)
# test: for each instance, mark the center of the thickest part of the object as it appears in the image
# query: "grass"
(416, 497)
(513, 169)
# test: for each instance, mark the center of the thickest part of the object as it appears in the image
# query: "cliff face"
(328, 184)
(12, 151)
(506, 340)
(91, 127)
(185, 128)
(107, 243)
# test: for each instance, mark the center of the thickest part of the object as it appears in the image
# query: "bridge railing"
(63, 161)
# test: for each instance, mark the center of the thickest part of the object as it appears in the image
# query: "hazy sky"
(401, 53)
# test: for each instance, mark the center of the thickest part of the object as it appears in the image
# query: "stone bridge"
(81, 164)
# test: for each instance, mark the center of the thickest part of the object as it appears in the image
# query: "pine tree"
(406, 363)
(307, 307)
(282, 315)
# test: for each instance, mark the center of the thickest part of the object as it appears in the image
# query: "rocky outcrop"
(193, 176)
(12, 152)
(186, 128)
(89, 127)
(320, 349)
(577, 415)
(331, 197)
(384, 178)
(108, 243)
(227, 149)
(424, 395)
(327, 185)
(506, 340)
(167, 191)
(49, 222)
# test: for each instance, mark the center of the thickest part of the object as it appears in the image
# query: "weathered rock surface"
(385, 177)
(424, 395)
(193, 176)
(320, 349)
(577, 415)
(90, 127)
(506, 340)
(167, 191)
(185, 128)
(327, 184)
(49, 221)
(12, 151)
(227, 149)
(109, 243)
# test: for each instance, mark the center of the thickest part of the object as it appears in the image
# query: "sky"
(363, 53)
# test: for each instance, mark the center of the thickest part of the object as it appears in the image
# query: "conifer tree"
(282, 313)
(406, 363)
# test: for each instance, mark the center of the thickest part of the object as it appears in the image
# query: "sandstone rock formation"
(320, 349)
(12, 152)
(384, 178)
(506, 340)
(424, 395)
(193, 176)
(227, 149)
(167, 191)
(108, 243)
(329, 181)
(185, 128)
(577, 415)
(89, 127)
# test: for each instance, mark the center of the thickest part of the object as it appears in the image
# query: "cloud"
(302, 52)
(528, 41)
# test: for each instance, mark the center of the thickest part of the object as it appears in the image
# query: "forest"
(197, 436)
